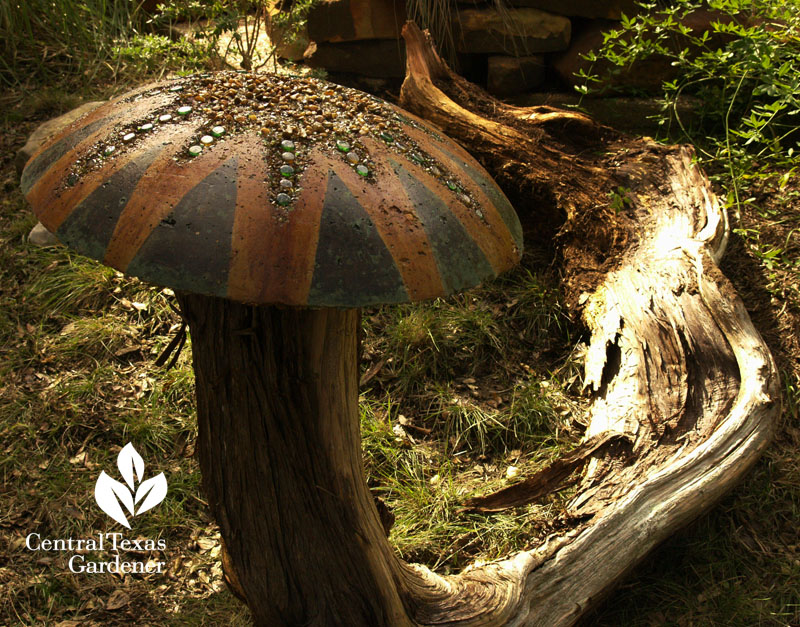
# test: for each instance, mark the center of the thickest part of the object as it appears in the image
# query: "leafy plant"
(742, 72)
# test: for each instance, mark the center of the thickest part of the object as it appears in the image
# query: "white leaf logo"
(110, 493)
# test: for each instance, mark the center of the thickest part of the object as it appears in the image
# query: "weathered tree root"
(674, 362)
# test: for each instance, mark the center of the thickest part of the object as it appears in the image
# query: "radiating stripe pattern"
(386, 213)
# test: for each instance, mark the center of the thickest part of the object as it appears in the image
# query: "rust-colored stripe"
(492, 236)
(159, 190)
(52, 201)
(101, 111)
(393, 215)
(274, 248)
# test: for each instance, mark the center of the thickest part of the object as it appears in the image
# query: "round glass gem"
(342, 146)
(362, 170)
(288, 157)
(146, 127)
(288, 146)
(283, 199)
(185, 110)
(417, 158)
(387, 138)
(286, 184)
(109, 150)
(195, 150)
(452, 185)
(218, 131)
(164, 118)
(287, 171)
(352, 158)
(128, 137)
(206, 140)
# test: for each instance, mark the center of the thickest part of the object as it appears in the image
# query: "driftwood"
(674, 364)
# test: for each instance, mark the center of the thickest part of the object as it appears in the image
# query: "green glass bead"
(362, 170)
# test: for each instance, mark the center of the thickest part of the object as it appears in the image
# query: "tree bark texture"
(280, 454)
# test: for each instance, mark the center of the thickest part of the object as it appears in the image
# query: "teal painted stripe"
(37, 167)
(88, 229)
(191, 248)
(460, 260)
(353, 266)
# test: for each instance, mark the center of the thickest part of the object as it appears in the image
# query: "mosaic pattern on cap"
(281, 129)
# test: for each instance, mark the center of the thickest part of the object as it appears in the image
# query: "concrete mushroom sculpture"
(276, 208)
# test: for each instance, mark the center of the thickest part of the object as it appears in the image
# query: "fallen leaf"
(117, 600)
(80, 458)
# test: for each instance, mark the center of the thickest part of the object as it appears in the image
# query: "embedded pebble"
(325, 117)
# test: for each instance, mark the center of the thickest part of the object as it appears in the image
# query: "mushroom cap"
(271, 190)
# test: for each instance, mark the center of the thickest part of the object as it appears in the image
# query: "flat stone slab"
(379, 58)
(607, 9)
(351, 20)
(508, 76)
(516, 32)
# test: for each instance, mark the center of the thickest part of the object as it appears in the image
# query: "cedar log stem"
(280, 453)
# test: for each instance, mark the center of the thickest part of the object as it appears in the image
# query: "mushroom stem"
(280, 452)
